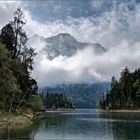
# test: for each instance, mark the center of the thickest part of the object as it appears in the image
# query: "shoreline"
(21, 119)
(57, 110)
(15, 121)
(119, 111)
(18, 120)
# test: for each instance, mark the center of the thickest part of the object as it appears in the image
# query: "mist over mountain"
(62, 60)
(66, 45)
(82, 95)
(63, 44)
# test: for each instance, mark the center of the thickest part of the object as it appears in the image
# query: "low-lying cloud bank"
(85, 66)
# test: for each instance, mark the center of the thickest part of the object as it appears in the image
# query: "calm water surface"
(79, 125)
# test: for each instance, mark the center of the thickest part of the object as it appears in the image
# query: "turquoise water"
(80, 125)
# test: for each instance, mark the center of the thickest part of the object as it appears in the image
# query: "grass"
(21, 118)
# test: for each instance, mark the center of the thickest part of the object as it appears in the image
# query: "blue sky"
(60, 9)
(51, 10)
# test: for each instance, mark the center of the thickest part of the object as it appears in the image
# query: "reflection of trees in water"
(75, 123)
(56, 119)
(29, 132)
(118, 126)
(124, 125)
(20, 132)
(11, 132)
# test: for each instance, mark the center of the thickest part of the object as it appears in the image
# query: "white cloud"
(117, 30)
(109, 29)
(7, 8)
(85, 66)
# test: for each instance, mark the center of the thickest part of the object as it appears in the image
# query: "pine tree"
(21, 55)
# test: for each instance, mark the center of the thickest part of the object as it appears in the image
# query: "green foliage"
(55, 100)
(36, 103)
(82, 95)
(7, 79)
(16, 60)
(8, 37)
(125, 92)
(102, 103)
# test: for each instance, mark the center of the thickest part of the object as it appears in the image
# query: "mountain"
(82, 95)
(66, 45)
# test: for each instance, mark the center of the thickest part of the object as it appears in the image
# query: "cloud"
(109, 29)
(85, 66)
(64, 69)
(7, 8)
(117, 29)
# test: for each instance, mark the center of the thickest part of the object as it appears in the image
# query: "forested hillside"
(56, 101)
(17, 88)
(124, 93)
(82, 95)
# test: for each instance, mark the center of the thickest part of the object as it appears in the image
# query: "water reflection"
(125, 125)
(80, 125)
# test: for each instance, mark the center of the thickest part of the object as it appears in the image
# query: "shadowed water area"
(79, 125)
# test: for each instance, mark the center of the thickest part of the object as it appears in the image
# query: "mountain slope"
(66, 45)
(83, 95)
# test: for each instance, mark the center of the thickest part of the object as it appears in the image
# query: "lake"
(80, 124)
